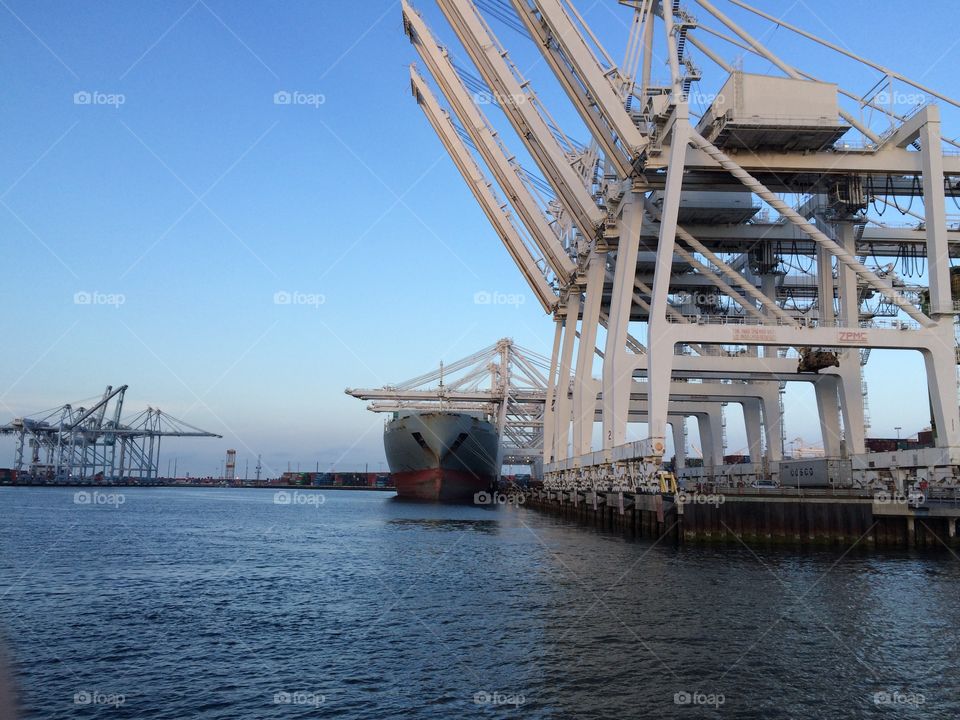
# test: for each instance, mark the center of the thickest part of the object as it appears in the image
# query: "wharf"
(774, 516)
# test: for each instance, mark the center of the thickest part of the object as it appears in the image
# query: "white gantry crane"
(79, 444)
(505, 381)
(731, 227)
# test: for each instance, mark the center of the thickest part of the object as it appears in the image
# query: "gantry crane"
(739, 244)
(77, 445)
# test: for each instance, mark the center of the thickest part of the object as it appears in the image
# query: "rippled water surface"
(221, 603)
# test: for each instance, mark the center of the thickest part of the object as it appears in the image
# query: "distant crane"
(802, 450)
(80, 444)
(503, 380)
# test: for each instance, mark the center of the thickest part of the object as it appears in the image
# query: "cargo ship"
(441, 455)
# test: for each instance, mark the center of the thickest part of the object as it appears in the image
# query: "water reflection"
(446, 524)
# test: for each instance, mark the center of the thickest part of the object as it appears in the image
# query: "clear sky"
(174, 183)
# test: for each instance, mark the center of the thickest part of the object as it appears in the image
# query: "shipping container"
(816, 472)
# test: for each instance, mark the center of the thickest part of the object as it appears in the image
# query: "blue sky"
(198, 199)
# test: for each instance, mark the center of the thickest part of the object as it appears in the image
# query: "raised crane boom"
(483, 192)
(485, 139)
(513, 96)
(588, 85)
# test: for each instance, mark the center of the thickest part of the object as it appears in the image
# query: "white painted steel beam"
(483, 192)
(514, 97)
(585, 82)
(488, 145)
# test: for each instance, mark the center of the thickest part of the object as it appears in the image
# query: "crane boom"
(483, 136)
(514, 97)
(586, 83)
(483, 192)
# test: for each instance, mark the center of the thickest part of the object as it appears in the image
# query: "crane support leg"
(584, 386)
(561, 441)
(850, 370)
(752, 423)
(617, 361)
(935, 211)
(549, 410)
(772, 421)
(660, 353)
(679, 445)
(942, 383)
(828, 409)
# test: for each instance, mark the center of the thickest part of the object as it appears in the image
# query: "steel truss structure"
(504, 381)
(745, 247)
(79, 445)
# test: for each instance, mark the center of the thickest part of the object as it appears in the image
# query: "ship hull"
(441, 456)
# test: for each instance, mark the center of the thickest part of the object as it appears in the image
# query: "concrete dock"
(776, 516)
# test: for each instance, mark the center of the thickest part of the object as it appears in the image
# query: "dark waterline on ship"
(221, 603)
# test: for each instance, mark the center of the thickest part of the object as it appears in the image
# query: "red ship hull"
(439, 485)
(441, 456)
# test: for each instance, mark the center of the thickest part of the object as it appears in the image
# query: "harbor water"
(248, 604)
